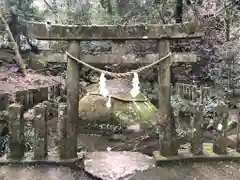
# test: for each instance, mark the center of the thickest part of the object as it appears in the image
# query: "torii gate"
(74, 34)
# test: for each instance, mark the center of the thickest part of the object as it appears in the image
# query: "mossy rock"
(125, 109)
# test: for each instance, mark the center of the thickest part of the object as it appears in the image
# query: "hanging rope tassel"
(48, 25)
(102, 86)
(108, 104)
(135, 85)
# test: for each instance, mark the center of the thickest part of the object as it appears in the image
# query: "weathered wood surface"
(167, 138)
(191, 92)
(197, 134)
(164, 81)
(238, 137)
(40, 132)
(29, 98)
(132, 59)
(109, 32)
(16, 122)
(62, 130)
(72, 101)
(220, 145)
(4, 101)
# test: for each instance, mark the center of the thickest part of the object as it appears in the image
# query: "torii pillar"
(167, 130)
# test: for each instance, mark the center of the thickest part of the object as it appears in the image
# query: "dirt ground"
(11, 81)
(197, 171)
(41, 173)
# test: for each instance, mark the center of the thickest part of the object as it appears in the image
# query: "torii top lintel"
(42, 31)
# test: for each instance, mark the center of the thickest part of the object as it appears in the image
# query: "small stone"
(117, 137)
(134, 127)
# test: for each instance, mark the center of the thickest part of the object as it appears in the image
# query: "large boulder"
(133, 113)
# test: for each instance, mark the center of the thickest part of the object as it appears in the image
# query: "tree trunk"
(54, 5)
(178, 19)
(179, 11)
(114, 7)
(13, 40)
(231, 60)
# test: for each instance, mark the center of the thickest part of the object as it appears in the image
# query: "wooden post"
(220, 145)
(44, 93)
(16, 124)
(181, 90)
(196, 141)
(51, 92)
(40, 94)
(167, 130)
(188, 92)
(184, 91)
(49, 114)
(194, 93)
(36, 96)
(27, 100)
(206, 91)
(31, 97)
(201, 94)
(4, 99)
(49, 106)
(61, 128)
(21, 97)
(40, 132)
(177, 88)
(238, 131)
(72, 100)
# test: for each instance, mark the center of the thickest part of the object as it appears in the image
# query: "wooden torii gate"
(74, 34)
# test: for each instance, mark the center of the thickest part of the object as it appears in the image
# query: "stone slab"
(116, 165)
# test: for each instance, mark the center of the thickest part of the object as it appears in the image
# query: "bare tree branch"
(19, 59)
(53, 10)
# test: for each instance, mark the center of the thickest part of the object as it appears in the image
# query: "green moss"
(134, 111)
(191, 28)
(124, 96)
(92, 108)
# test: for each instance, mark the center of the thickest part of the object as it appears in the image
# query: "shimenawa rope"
(117, 75)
